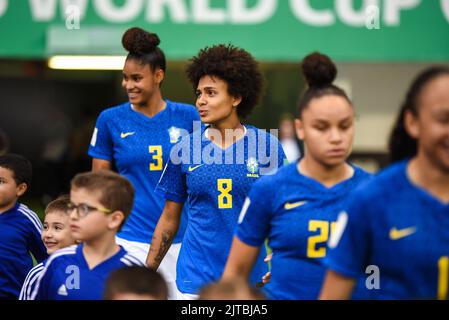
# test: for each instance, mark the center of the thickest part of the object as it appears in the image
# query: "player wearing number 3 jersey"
(212, 170)
(137, 137)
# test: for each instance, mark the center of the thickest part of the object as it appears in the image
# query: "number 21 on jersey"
(324, 228)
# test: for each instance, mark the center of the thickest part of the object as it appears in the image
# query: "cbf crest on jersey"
(253, 168)
(175, 134)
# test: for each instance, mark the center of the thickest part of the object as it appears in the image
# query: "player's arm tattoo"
(164, 245)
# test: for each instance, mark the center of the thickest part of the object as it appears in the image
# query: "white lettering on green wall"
(230, 11)
(240, 14)
(393, 8)
(304, 12)
(3, 7)
(127, 12)
(345, 10)
(177, 8)
(444, 7)
(203, 13)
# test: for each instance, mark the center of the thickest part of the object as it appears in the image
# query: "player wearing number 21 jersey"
(401, 229)
(297, 214)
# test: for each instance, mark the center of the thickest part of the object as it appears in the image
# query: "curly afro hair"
(235, 66)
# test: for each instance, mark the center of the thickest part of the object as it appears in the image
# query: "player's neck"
(153, 106)
(97, 250)
(8, 206)
(422, 172)
(327, 176)
(230, 131)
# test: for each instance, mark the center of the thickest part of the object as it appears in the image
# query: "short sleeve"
(349, 244)
(172, 184)
(255, 216)
(101, 144)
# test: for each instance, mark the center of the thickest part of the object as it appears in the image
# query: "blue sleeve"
(255, 217)
(172, 183)
(30, 282)
(349, 254)
(36, 245)
(101, 145)
(40, 290)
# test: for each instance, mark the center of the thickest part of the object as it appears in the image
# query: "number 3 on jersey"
(156, 151)
(224, 198)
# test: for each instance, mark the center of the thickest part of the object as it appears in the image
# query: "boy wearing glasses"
(100, 201)
(20, 228)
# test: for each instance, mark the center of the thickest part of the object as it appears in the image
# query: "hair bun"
(137, 40)
(319, 70)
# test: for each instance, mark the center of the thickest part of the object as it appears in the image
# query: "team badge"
(253, 168)
(175, 134)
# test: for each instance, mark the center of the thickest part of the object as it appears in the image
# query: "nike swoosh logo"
(396, 234)
(289, 206)
(125, 134)
(195, 167)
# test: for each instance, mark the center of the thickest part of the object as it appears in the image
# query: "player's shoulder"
(361, 175)
(382, 184)
(29, 216)
(38, 267)
(61, 256)
(260, 133)
(271, 183)
(116, 111)
(182, 108)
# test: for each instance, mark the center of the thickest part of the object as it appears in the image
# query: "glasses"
(83, 209)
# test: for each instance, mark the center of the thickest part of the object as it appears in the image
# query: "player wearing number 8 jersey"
(212, 170)
(296, 208)
(399, 221)
(137, 137)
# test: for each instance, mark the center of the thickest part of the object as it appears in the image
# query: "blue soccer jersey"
(20, 234)
(401, 230)
(67, 276)
(30, 281)
(297, 214)
(213, 183)
(140, 147)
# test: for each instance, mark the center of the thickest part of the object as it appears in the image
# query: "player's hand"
(267, 277)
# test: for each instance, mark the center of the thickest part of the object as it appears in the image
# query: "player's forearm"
(100, 164)
(163, 236)
(241, 259)
(336, 287)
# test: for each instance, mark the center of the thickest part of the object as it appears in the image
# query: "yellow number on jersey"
(323, 227)
(157, 157)
(224, 198)
(443, 272)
